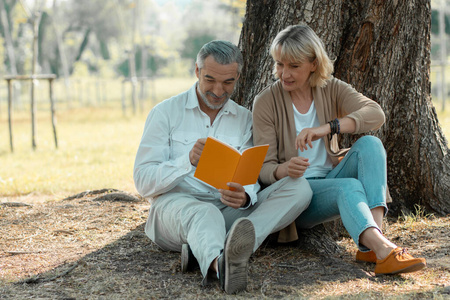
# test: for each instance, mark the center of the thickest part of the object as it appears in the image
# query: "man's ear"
(197, 71)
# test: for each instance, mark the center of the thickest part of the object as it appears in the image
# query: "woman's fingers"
(297, 166)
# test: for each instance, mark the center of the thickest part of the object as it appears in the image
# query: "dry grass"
(444, 121)
(89, 249)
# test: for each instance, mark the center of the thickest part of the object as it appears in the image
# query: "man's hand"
(309, 135)
(235, 197)
(196, 152)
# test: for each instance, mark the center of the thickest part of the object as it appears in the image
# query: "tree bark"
(382, 48)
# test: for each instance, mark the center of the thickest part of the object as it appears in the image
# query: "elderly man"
(221, 228)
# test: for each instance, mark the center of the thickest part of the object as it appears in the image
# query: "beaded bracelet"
(335, 127)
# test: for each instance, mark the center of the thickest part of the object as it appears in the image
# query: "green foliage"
(435, 22)
(104, 51)
(73, 31)
(152, 65)
(80, 69)
(102, 17)
(177, 67)
(413, 217)
(194, 41)
(3, 54)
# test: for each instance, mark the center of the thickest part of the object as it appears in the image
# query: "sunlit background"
(113, 61)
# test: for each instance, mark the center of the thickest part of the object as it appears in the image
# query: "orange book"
(220, 163)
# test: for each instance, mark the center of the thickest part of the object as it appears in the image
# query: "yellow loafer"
(368, 256)
(399, 261)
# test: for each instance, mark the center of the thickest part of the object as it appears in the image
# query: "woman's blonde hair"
(299, 43)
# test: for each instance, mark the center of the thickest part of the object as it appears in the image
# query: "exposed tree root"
(90, 193)
(121, 196)
(34, 279)
(14, 204)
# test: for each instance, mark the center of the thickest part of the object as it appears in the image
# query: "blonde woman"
(301, 117)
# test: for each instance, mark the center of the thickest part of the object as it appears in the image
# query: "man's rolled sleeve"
(251, 191)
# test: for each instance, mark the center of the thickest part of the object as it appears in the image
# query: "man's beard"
(206, 101)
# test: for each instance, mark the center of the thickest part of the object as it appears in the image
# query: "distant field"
(97, 143)
(444, 120)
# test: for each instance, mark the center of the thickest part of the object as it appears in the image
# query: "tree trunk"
(83, 44)
(61, 52)
(382, 48)
(8, 39)
(35, 21)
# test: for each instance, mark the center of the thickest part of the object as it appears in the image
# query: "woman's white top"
(320, 162)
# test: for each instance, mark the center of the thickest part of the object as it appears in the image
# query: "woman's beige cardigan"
(273, 124)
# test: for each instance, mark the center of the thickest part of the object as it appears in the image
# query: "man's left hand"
(235, 197)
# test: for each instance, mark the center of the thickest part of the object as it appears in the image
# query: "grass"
(444, 120)
(89, 249)
(96, 144)
(417, 216)
(96, 147)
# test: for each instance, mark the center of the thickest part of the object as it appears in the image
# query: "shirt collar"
(192, 102)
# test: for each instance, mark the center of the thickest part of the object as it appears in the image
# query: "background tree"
(5, 30)
(201, 28)
(382, 48)
(92, 24)
(152, 63)
(193, 43)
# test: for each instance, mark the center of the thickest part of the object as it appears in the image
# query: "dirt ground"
(90, 247)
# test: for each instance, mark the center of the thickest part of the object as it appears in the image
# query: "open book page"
(217, 163)
(221, 163)
(250, 165)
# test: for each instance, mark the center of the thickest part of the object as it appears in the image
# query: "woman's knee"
(370, 139)
(370, 144)
(349, 187)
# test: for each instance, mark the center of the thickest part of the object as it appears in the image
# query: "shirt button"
(207, 126)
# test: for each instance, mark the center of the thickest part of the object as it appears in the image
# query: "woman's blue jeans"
(354, 187)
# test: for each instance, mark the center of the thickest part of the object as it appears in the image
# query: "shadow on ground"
(133, 267)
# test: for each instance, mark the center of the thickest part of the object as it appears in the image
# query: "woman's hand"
(235, 197)
(309, 135)
(294, 168)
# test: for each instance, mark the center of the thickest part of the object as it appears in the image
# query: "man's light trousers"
(202, 220)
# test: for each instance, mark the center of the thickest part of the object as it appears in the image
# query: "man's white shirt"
(172, 127)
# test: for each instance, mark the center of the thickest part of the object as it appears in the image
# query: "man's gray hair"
(224, 53)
